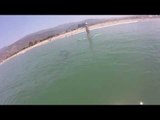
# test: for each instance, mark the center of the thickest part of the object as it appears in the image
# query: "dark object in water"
(87, 29)
(64, 53)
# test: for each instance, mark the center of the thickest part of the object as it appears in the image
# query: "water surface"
(118, 65)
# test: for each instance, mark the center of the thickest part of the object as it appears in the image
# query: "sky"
(15, 27)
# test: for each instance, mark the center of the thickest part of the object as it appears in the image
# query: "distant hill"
(39, 36)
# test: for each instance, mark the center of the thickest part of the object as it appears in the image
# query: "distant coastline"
(77, 31)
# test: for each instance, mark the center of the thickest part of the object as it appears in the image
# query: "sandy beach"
(93, 27)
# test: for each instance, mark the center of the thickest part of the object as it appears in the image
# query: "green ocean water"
(118, 65)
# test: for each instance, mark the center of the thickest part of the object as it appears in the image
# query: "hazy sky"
(14, 27)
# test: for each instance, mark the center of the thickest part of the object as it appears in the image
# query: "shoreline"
(77, 31)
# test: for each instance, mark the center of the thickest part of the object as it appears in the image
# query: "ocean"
(118, 65)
